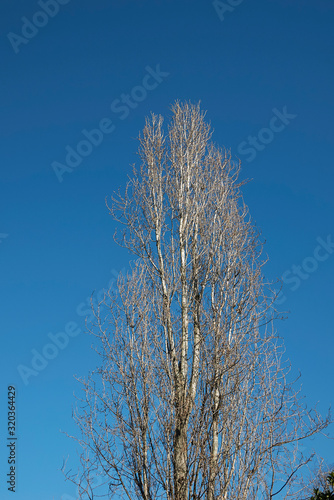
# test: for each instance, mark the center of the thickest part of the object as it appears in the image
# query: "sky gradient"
(78, 79)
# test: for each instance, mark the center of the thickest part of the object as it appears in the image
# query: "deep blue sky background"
(56, 239)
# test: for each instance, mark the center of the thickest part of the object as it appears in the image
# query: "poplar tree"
(192, 398)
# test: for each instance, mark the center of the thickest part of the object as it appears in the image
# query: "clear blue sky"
(263, 70)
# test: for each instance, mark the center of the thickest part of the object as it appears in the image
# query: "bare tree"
(191, 400)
